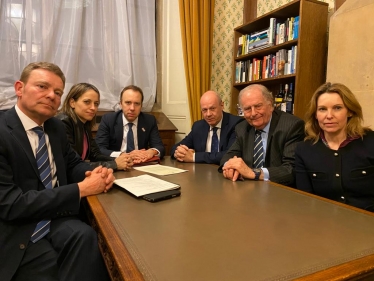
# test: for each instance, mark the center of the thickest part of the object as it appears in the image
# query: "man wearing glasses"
(129, 130)
(265, 145)
(211, 137)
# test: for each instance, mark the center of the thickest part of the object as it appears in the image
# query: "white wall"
(174, 90)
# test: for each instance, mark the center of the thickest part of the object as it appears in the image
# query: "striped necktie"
(214, 145)
(258, 152)
(42, 161)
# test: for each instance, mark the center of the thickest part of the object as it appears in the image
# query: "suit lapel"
(204, 137)
(224, 130)
(118, 129)
(141, 130)
(273, 125)
(55, 143)
(20, 137)
(250, 142)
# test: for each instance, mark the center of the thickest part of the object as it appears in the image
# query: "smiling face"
(39, 97)
(257, 110)
(332, 114)
(86, 106)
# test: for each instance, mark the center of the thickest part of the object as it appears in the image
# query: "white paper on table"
(145, 184)
(160, 170)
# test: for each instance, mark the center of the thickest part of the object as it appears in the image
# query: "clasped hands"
(97, 181)
(236, 169)
(124, 161)
(184, 154)
(142, 155)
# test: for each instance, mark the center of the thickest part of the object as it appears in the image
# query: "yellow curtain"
(197, 37)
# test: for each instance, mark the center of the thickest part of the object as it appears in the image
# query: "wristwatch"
(257, 174)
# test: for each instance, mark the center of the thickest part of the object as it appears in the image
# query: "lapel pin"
(143, 129)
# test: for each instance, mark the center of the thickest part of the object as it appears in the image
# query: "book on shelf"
(294, 56)
(272, 30)
(260, 33)
(240, 46)
(296, 28)
(281, 34)
(291, 28)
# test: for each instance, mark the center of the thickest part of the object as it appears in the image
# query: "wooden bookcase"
(311, 52)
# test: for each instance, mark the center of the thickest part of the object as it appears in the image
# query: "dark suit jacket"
(285, 132)
(110, 133)
(75, 133)
(197, 138)
(24, 201)
(317, 167)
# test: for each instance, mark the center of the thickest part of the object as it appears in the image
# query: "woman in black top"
(336, 160)
(78, 114)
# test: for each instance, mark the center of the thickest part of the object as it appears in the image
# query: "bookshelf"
(310, 58)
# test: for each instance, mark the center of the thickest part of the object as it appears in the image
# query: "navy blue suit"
(24, 201)
(197, 138)
(109, 136)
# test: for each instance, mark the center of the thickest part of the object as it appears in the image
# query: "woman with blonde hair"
(336, 159)
(78, 114)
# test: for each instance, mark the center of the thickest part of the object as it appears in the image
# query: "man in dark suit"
(42, 181)
(197, 145)
(129, 130)
(272, 157)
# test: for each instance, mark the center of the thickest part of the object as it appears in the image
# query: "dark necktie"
(214, 145)
(258, 152)
(130, 139)
(42, 161)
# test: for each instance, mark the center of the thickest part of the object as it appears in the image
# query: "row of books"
(284, 31)
(281, 63)
(278, 32)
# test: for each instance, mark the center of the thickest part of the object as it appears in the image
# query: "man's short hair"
(134, 88)
(41, 65)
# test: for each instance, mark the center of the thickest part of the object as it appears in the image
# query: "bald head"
(211, 107)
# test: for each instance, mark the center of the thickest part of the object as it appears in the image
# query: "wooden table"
(165, 127)
(223, 230)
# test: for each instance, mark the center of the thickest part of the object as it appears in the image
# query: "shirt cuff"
(115, 154)
(158, 152)
(266, 174)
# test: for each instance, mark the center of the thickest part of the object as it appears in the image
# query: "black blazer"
(24, 201)
(345, 175)
(285, 132)
(75, 133)
(197, 138)
(110, 133)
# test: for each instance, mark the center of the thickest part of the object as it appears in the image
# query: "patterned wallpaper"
(228, 14)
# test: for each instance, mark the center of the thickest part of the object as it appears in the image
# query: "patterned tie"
(42, 160)
(258, 152)
(130, 139)
(214, 145)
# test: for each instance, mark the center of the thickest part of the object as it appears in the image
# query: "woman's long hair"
(354, 124)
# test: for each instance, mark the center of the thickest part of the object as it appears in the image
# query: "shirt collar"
(135, 122)
(267, 127)
(26, 121)
(219, 124)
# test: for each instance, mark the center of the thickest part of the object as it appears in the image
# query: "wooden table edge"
(127, 269)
